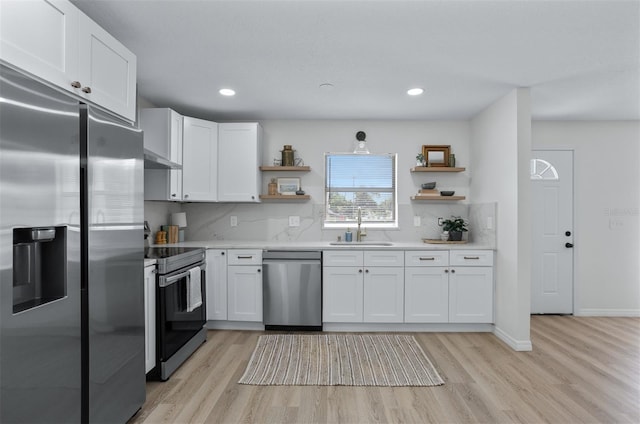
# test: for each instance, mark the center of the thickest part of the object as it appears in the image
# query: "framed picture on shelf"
(288, 186)
(436, 155)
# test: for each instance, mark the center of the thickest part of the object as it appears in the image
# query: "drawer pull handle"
(428, 259)
(245, 257)
(472, 257)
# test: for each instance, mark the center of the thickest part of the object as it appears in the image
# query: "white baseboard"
(607, 313)
(407, 327)
(517, 345)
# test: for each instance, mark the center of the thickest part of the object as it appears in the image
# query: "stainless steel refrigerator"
(71, 259)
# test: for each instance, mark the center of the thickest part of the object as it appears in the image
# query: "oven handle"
(167, 281)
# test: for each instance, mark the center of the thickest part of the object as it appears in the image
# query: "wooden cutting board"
(438, 241)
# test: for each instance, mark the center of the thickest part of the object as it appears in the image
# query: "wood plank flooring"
(582, 370)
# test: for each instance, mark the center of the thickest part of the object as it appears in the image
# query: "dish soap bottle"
(348, 236)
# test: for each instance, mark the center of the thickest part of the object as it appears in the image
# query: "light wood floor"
(582, 370)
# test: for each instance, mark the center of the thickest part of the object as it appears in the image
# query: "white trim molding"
(607, 313)
(517, 345)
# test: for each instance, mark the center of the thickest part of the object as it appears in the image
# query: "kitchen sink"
(361, 243)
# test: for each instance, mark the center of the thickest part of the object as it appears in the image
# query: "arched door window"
(543, 170)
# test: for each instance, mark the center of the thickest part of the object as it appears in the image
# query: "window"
(365, 181)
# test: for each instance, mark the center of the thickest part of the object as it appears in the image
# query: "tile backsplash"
(270, 222)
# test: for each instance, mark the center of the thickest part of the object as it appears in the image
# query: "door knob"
(568, 245)
(567, 233)
(87, 90)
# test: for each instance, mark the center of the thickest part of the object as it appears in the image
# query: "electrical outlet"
(416, 221)
(294, 221)
(489, 223)
(234, 221)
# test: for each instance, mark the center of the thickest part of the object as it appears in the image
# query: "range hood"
(154, 161)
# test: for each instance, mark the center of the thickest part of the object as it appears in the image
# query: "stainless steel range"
(180, 307)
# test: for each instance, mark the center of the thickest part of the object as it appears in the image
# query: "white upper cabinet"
(55, 41)
(199, 160)
(239, 153)
(163, 136)
(41, 37)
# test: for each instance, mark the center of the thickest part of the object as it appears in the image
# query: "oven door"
(176, 325)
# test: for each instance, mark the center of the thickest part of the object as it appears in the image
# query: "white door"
(238, 150)
(216, 284)
(383, 294)
(552, 218)
(199, 160)
(107, 69)
(342, 291)
(426, 297)
(244, 290)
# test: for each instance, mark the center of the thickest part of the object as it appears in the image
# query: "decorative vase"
(455, 235)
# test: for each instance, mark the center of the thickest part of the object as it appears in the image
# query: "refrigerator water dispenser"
(39, 266)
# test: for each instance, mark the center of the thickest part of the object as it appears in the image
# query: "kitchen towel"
(194, 290)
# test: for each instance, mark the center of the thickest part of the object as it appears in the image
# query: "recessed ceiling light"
(326, 86)
(227, 92)
(415, 91)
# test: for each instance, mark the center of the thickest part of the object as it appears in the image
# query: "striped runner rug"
(339, 360)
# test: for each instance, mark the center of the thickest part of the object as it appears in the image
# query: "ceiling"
(580, 58)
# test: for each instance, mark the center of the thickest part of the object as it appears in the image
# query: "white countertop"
(325, 245)
(149, 262)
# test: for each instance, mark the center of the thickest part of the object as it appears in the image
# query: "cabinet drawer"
(426, 258)
(343, 258)
(383, 258)
(471, 258)
(244, 257)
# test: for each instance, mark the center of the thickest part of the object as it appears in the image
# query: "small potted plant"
(420, 159)
(455, 226)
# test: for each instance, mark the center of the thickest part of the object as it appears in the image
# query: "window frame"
(352, 223)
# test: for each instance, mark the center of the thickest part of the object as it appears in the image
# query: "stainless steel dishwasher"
(292, 295)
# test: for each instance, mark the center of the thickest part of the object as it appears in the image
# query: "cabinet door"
(244, 284)
(216, 284)
(239, 149)
(384, 294)
(107, 69)
(41, 37)
(163, 136)
(471, 294)
(199, 160)
(149, 317)
(426, 294)
(342, 294)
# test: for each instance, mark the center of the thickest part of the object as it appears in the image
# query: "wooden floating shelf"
(438, 198)
(286, 168)
(285, 197)
(436, 169)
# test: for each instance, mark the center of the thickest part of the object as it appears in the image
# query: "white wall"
(500, 148)
(606, 217)
(311, 139)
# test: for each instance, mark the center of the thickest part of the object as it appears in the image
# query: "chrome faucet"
(361, 232)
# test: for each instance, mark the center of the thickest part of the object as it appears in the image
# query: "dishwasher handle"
(290, 255)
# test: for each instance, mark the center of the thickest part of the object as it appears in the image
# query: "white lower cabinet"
(412, 286)
(244, 285)
(216, 284)
(149, 318)
(383, 286)
(471, 294)
(342, 299)
(426, 292)
(354, 290)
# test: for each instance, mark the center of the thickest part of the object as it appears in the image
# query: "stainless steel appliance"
(292, 290)
(71, 255)
(180, 322)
